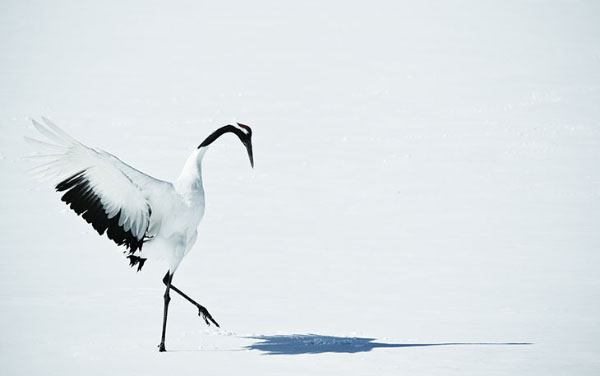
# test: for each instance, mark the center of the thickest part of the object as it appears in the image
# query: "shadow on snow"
(296, 344)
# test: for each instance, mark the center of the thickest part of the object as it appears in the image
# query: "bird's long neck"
(189, 182)
(218, 133)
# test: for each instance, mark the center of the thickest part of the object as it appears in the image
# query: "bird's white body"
(177, 211)
(161, 215)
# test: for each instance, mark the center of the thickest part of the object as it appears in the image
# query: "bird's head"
(246, 137)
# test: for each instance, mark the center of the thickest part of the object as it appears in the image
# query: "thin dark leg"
(202, 312)
(167, 281)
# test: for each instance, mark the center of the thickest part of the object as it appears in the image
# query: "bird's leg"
(203, 312)
(167, 281)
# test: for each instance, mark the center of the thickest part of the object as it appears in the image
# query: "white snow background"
(426, 191)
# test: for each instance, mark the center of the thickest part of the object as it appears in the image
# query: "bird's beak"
(250, 155)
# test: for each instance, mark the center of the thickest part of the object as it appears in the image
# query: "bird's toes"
(161, 347)
(207, 316)
(204, 318)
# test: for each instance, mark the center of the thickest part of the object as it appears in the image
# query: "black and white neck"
(242, 131)
(190, 180)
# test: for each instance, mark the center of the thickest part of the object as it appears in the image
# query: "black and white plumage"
(151, 218)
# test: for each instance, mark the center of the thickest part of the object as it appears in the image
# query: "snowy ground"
(426, 197)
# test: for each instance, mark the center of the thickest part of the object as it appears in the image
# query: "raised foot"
(161, 347)
(203, 312)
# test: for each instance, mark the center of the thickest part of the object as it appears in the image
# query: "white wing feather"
(120, 187)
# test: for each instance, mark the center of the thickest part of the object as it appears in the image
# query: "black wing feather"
(82, 199)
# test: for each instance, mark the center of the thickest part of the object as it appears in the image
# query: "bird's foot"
(203, 312)
(161, 347)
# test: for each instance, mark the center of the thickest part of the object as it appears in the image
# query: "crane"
(134, 209)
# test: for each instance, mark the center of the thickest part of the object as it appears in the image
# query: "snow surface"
(425, 199)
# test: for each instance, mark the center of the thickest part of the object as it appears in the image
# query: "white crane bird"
(133, 209)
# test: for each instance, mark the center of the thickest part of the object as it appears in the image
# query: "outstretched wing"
(107, 193)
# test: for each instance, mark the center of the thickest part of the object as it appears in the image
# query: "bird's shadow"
(296, 344)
